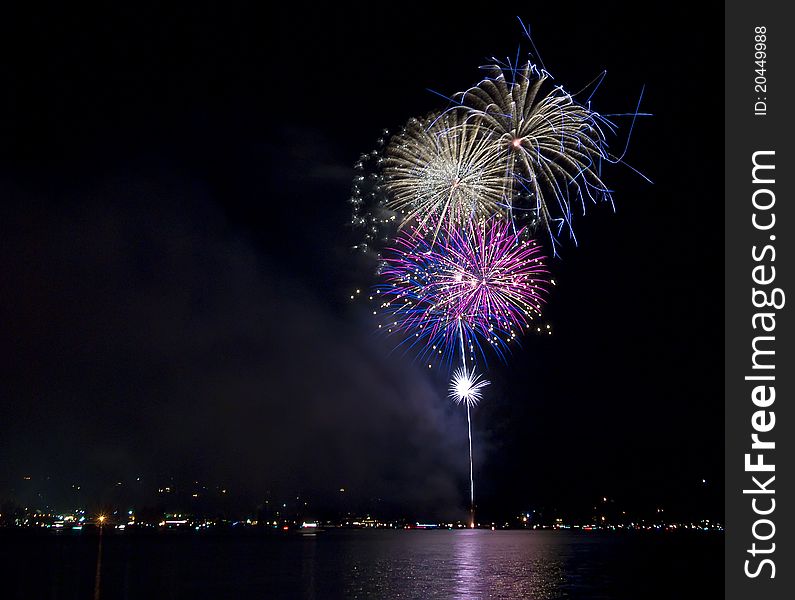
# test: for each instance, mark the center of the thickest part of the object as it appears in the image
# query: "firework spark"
(369, 213)
(481, 285)
(444, 170)
(553, 147)
(466, 387)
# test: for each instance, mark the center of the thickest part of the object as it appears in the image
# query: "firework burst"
(459, 194)
(481, 285)
(466, 387)
(552, 146)
(446, 171)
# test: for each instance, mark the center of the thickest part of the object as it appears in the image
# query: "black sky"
(175, 263)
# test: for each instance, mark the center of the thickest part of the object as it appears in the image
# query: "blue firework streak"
(554, 146)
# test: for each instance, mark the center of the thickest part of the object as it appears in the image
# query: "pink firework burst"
(475, 286)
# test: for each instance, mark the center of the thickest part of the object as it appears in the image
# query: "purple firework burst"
(475, 286)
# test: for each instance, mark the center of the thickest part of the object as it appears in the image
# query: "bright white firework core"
(466, 387)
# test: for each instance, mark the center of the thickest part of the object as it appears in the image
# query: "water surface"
(462, 564)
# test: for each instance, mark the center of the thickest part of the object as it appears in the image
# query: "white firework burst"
(466, 387)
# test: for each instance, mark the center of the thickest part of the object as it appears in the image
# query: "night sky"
(175, 264)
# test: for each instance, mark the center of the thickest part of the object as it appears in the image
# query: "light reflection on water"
(466, 557)
(459, 565)
(503, 566)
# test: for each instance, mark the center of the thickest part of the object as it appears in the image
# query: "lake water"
(463, 564)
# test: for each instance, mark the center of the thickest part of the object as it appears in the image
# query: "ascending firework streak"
(465, 388)
(474, 287)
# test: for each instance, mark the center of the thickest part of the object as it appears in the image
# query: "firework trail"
(465, 388)
(473, 287)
